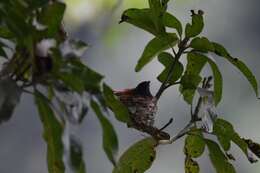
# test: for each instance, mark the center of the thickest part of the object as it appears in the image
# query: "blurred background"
(114, 52)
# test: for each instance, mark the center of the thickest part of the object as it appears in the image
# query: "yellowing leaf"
(194, 145)
(191, 166)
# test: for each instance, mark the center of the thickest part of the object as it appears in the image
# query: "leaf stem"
(182, 48)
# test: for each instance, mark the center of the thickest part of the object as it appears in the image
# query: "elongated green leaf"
(157, 11)
(226, 133)
(167, 60)
(141, 18)
(10, 95)
(72, 81)
(138, 158)
(221, 51)
(223, 130)
(218, 81)
(90, 78)
(191, 78)
(218, 158)
(196, 27)
(191, 166)
(110, 141)
(51, 16)
(154, 47)
(202, 44)
(13, 15)
(5, 33)
(52, 134)
(194, 145)
(121, 112)
(171, 21)
(76, 156)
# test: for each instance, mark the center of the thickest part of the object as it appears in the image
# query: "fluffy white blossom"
(208, 112)
(43, 47)
(38, 25)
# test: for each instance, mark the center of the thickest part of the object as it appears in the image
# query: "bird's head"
(143, 89)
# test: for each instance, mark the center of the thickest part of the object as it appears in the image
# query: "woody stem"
(164, 86)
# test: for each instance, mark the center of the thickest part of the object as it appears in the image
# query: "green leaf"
(167, 60)
(157, 11)
(90, 78)
(72, 81)
(10, 97)
(171, 21)
(76, 156)
(110, 141)
(226, 133)
(191, 166)
(141, 18)
(221, 51)
(52, 134)
(202, 44)
(51, 16)
(218, 81)
(13, 15)
(188, 86)
(196, 27)
(5, 33)
(138, 158)
(191, 78)
(154, 47)
(194, 145)
(218, 159)
(121, 112)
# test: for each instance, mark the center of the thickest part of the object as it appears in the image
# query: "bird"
(142, 107)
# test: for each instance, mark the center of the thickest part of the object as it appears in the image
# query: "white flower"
(208, 112)
(38, 25)
(71, 47)
(43, 47)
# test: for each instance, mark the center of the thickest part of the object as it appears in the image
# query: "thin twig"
(182, 132)
(171, 71)
(166, 125)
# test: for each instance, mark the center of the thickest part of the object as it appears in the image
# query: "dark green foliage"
(218, 158)
(110, 142)
(76, 156)
(27, 24)
(167, 60)
(221, 51)
(120, 111)
(154, 47)
(191, 77)
(52, 134)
